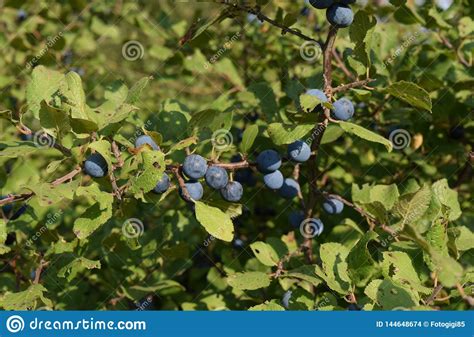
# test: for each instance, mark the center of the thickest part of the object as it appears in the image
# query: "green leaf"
(362, 267)
(43, 84)
(447, 197)
(334, 267)
(411, 207)
(202, 25)
(287, 134)
(264, 253)
(152, 170)
(464, 238)
(267, 306)
(399, 267)
(309, 102)
(411, 94)
(97, 214)
(361, 32)
(134, 93)
(385, 195)
(211, 119)
(76, 266)
(25, 300)
(249, 280)
(363, 133)
(49, 194)
(389, 295)
(248, 138)
(13, 149)
(55, 121)
(216, 222)
(332, 133)
(305, 273)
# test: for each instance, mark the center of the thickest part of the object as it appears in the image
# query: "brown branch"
(433, 295)
(348, 86)
(179, 176)
(262, 17)
(19, 197)
(39, 270)
(67, 177)
(317, 133)
(117, 154)
(234, 166)
(468, 299)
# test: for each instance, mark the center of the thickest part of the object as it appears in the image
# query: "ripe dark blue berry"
(299, 151)
(290, 188)
(145, 139)
(194, 166)
(217, 177)
(268, 161)
(194, 189)
(339, 15)
(333, 206)
(232, 191)
(95, 166)
(273, 180)
(162, 185)
(343, 109)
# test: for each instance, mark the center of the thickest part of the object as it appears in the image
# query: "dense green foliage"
(227, 82)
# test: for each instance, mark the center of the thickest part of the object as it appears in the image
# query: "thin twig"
(39, 270)
(262, 17)
(318, 132)
(348, 86)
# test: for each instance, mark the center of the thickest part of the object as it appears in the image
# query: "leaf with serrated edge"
(216, 222)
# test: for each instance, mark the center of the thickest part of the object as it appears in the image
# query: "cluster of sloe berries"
(338, 12)
(194, 168)
(269, 162)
